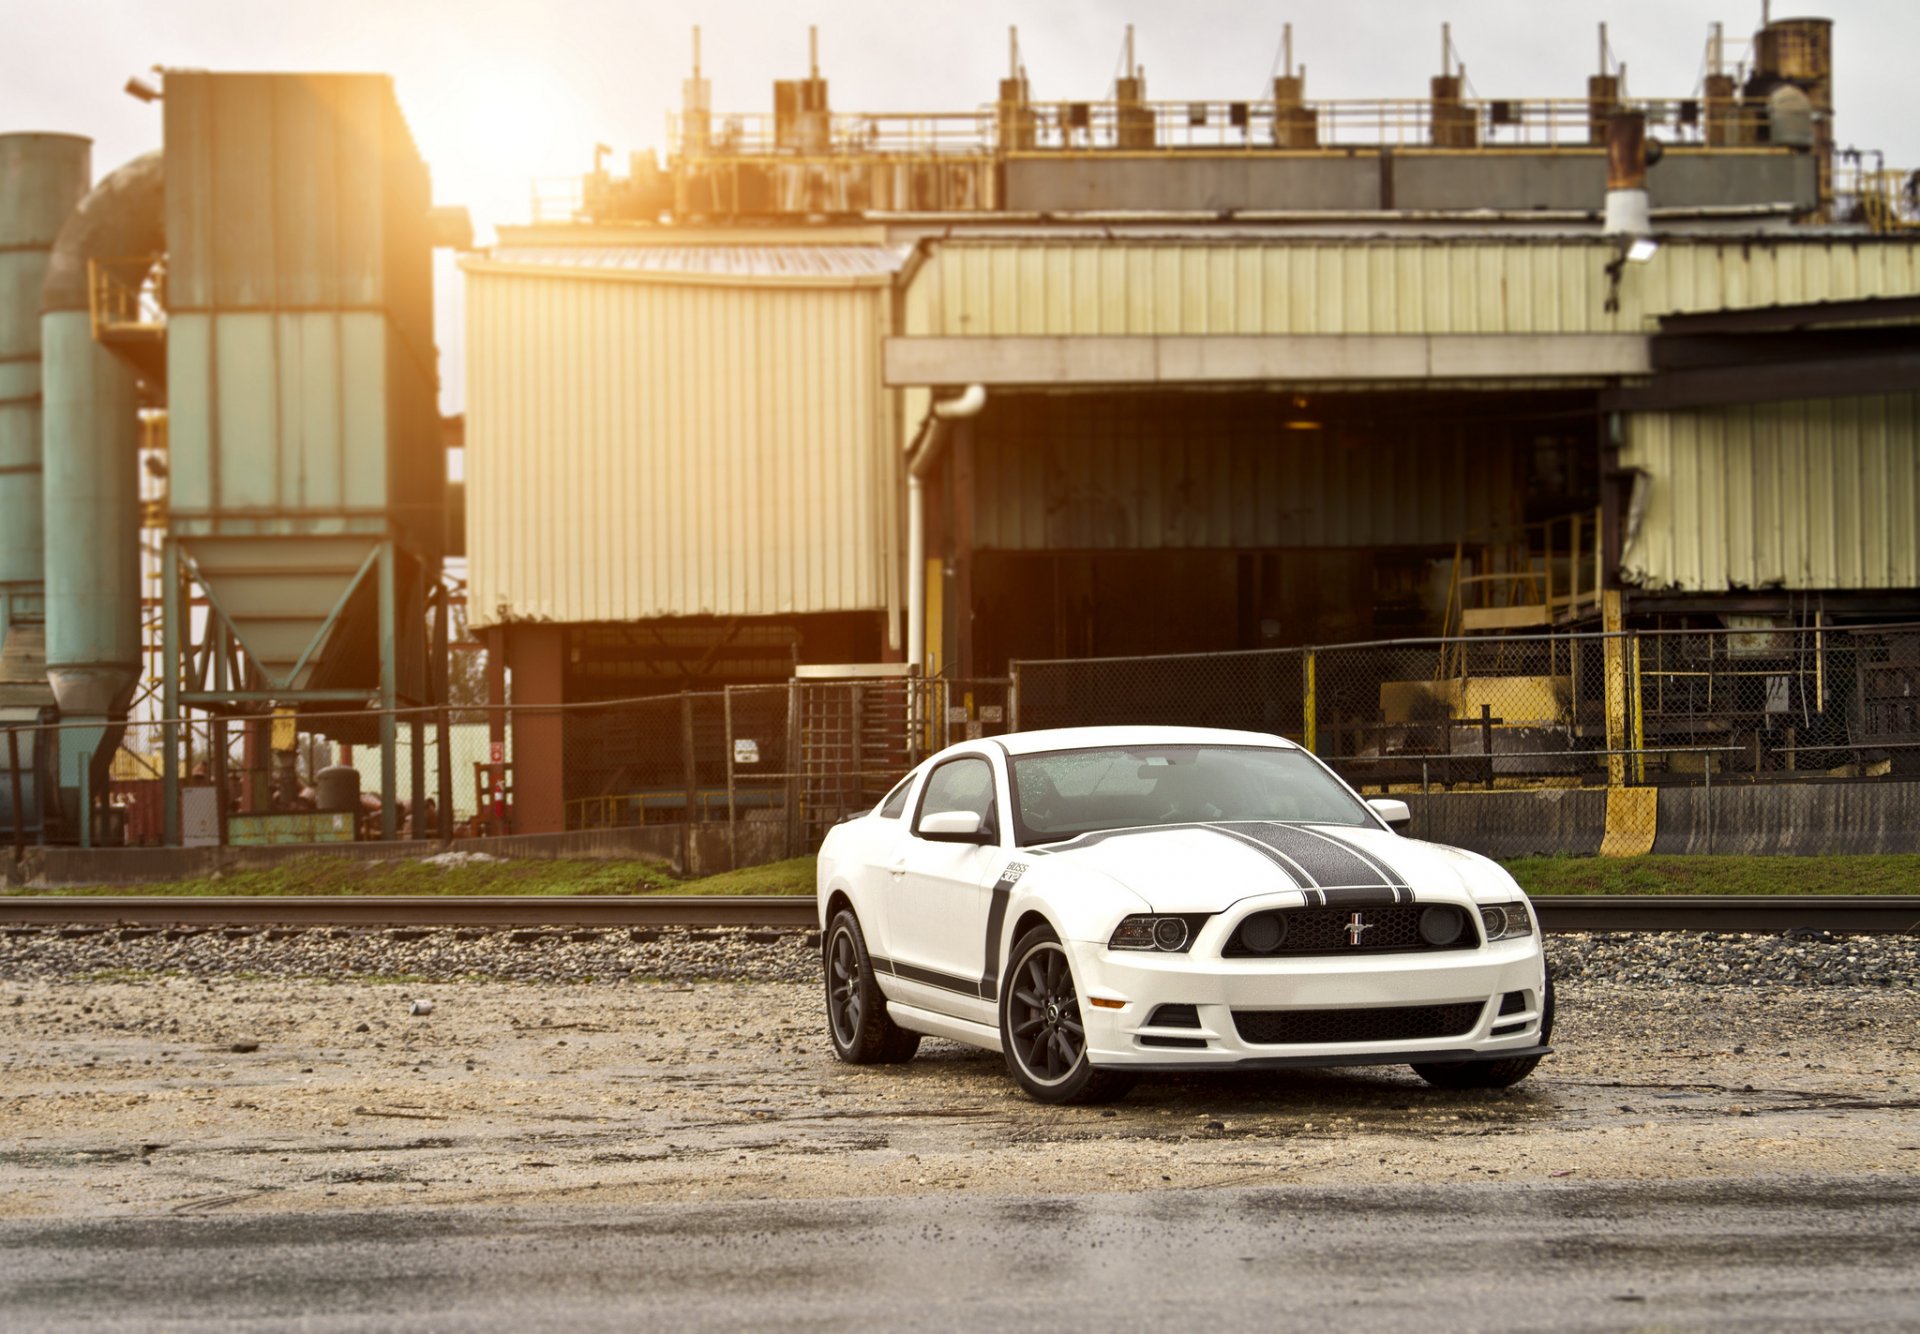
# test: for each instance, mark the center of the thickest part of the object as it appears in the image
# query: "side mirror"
(1393, 811)
(954, 827)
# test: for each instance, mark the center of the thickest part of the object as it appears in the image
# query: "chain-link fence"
(1684, 740)
(780, 762)
(1645, 724)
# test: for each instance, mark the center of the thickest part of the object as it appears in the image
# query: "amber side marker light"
(1101, 1002)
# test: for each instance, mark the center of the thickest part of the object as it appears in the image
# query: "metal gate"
(857, 730)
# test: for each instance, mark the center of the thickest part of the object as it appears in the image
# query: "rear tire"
(863, 1032)
(1042, 1030)
(1498, 1074)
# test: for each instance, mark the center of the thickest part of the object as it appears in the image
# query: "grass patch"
(1891, 874)
(793, 876)
(323, 874)
(319, 873)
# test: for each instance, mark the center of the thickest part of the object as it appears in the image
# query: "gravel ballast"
(556, 954)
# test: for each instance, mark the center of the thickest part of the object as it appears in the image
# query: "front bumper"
(1217, 987)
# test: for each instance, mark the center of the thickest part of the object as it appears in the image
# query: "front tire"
(863, 1032)
(1042, 1030)
(1490, 1074)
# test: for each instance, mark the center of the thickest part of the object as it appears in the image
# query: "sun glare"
(489, 132)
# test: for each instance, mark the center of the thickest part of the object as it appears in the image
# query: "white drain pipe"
(919, 463)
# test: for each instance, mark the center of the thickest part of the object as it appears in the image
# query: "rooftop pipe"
(919, 463)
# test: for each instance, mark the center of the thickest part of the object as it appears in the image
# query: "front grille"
(1174, 1016)
(1399, 1023)
(1389, 930)
(1155, 1040)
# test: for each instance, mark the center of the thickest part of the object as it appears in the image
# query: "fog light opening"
(1441, 926)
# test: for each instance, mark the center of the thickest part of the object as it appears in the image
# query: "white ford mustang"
(1098, 902)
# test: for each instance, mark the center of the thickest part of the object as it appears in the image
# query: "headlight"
(1169, 934)
(1507, 921)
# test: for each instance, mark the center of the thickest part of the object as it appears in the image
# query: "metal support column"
(1614, 652)
(733, 848)
(222, 683)
(690, 776)
(1310, 704)
(796, 789)
(417, 777)
(389, 693)
(171, 623)
(442, 666)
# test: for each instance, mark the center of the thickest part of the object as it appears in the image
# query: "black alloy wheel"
(863, 1032)
(1042, 1029)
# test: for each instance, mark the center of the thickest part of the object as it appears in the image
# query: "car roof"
(1092, 738)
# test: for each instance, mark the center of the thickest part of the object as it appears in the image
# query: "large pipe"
(42, 177)
(1627, 211)
(968, 404)
(90, 500)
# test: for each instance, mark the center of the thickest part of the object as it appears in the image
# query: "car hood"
(1206, 868)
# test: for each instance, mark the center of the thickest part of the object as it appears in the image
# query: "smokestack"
(1627, 212)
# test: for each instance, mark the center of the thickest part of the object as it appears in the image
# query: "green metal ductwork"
(90, 486)
(42, 177)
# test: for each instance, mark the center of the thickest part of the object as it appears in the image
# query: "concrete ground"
(1743, 1152)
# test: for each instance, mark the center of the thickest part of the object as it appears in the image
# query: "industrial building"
(919, 397)
(1089, 378)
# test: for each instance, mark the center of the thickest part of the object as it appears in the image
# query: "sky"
(500, 93)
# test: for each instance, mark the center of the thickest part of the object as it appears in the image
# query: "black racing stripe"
(907, 972)
(1402, 891)
(1360, 897)
(880, 965)
(997, 923)
(1330, 863)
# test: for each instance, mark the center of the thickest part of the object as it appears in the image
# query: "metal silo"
(307, 474)
(90, 436)
(42, 176)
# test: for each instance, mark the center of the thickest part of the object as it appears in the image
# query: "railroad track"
(1882, 914)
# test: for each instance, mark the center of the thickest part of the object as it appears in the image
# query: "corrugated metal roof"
(648, 449)
(835, 264)
(1818, 494)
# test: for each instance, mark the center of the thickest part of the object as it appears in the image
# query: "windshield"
(1064, 793)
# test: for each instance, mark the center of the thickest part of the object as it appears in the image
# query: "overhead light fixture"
(146, 92)
(1303, 426)
(1641, 249)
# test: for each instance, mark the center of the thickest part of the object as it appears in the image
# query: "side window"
(961, 785)
(895, 805)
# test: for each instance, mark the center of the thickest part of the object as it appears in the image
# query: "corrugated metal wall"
(639, 449)
(1375, 286)
(1822, 494)
(1164, 471)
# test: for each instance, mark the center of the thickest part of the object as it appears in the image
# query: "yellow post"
(1310, 707)
(1616, 687)
(1639, 720)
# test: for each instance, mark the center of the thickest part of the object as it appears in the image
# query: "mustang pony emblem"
(1357, 925)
